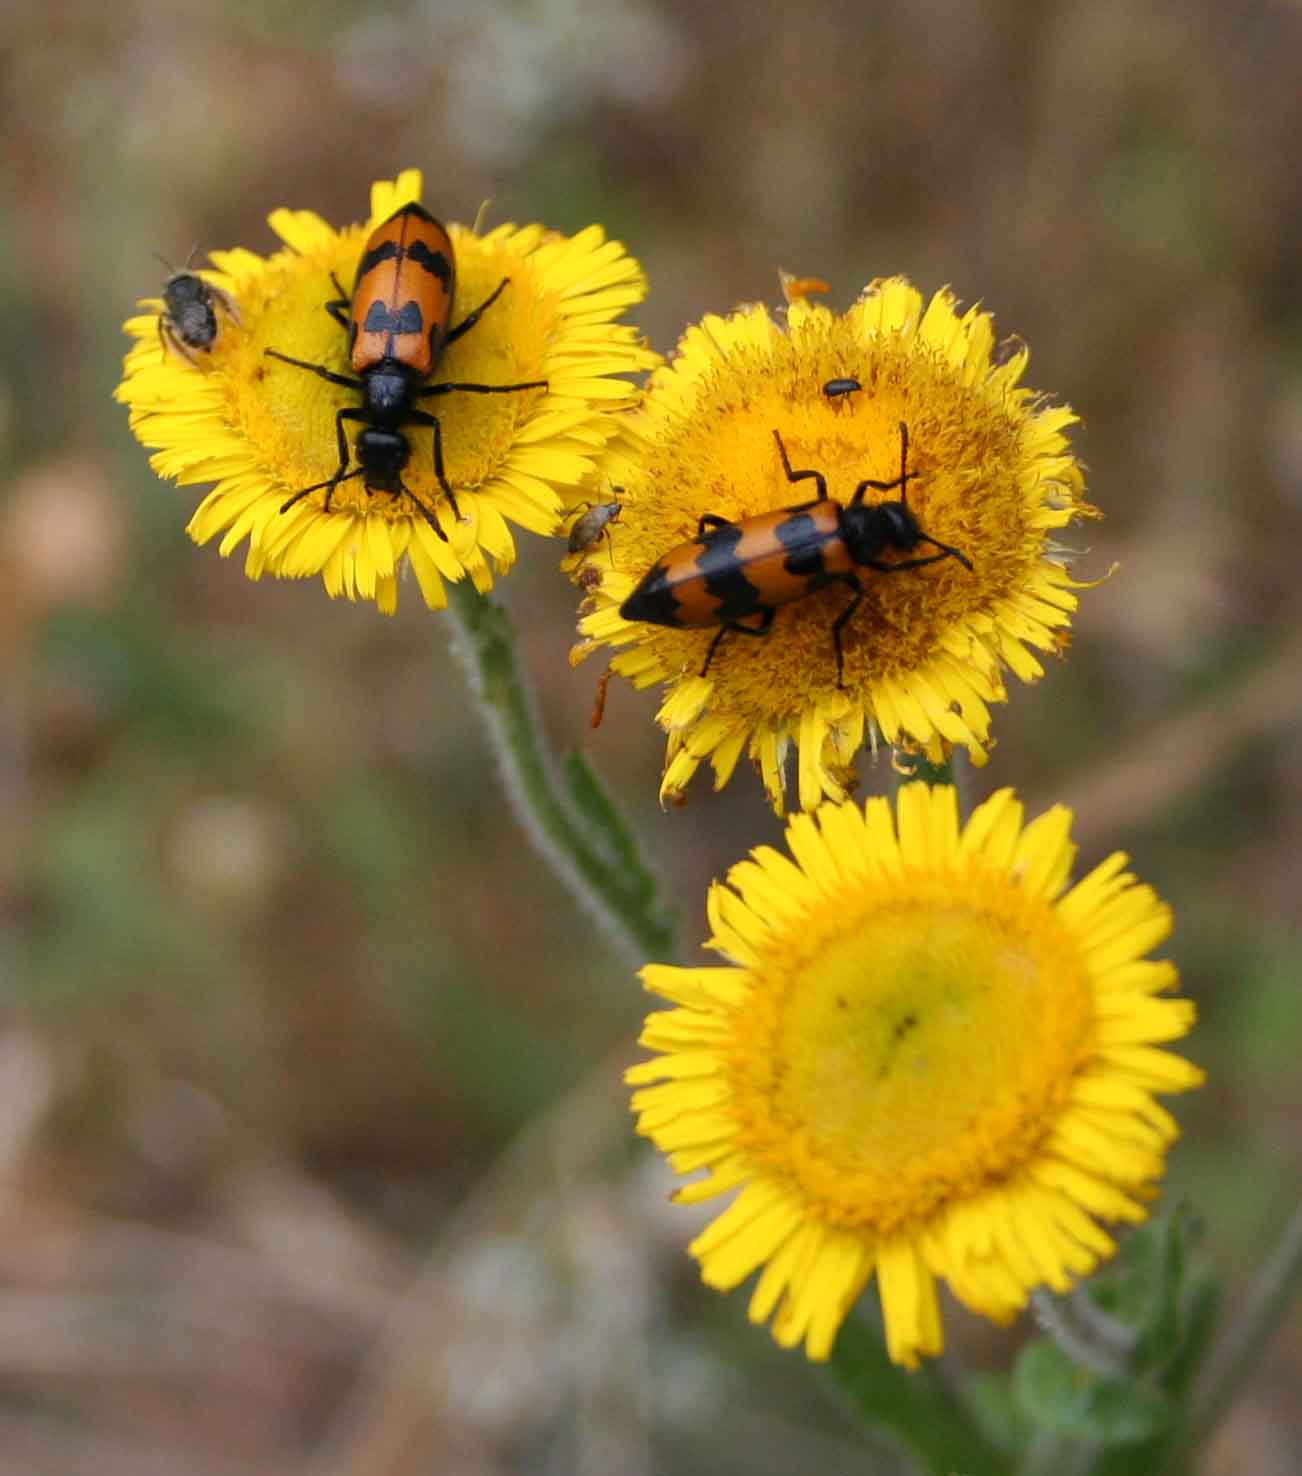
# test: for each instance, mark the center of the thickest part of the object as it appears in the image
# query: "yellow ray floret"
(931, 1058)
(991, 474)
(260, 431)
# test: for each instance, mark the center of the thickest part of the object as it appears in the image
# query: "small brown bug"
(593, 525)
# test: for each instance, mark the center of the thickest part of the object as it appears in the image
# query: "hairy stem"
(570, 819)
(1243, 1344)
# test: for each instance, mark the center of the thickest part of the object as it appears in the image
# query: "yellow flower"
(262, 430)
(929, 1059)
(990, 474)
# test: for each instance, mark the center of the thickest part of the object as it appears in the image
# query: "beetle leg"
(949, 553)
(424, 511)
(840, 623)
(902, 481)
(227, 302)
(762, 629)
(710, 520)
(714, 646)
(341, 474)
(883, 567)
(797, 476)
(170, 338)
(478, 389)
(330, 484)
(349, 412)
(316, 369)
(469, 321)
(880, 486)
(339, 307)
(423, 417)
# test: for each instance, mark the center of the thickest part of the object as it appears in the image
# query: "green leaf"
(990, 1399)
(593, 803)
(1163, 1329)
(914, 1408)
(1058, 1396)
(1158, 1290)
(1201, 1313)
(607, 834)
(1170, 1304)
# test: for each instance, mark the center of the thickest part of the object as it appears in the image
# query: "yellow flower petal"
(990, 475)
(922, 1065)
(263, 431)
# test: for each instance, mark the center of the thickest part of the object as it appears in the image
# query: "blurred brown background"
(283, 979)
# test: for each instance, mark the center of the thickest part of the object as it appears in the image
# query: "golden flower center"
(713, 451)
(914, 1053)
(289, 413)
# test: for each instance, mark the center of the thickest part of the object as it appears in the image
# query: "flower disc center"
(918, 1051)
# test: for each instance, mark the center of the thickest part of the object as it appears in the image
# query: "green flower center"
(914, 1053)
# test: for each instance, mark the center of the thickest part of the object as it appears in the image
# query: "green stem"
(915, 1408)
(1055, 1316)
(574, 824)
(1244, 1343)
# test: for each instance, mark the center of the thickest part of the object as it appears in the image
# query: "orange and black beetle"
(397, 324)
(188, 322)
(731, 572)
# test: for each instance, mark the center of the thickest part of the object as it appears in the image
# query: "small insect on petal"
(796, 289)
(593, 525)
(599, 698)
(839, 390)
(189, 323)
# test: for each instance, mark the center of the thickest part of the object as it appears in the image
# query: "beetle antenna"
(954, 553)
(905, 473)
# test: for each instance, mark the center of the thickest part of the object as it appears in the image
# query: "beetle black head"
(383, 452)
(870, 528)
